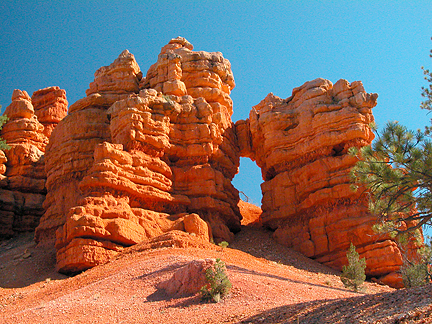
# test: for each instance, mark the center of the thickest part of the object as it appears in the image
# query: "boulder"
(393, 279)
(189, 279)
(251, 214)
(195, 225)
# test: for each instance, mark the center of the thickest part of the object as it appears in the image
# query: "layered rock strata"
(142, 156)
(69, 155)
(204, 154)
(301, 144)
(50, 106)
(127, 164)
(22, 184)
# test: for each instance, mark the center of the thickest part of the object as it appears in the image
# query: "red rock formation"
(127, 165)
(126, 196)
(301, 145)
(50, 106)
(3, 160)
(204, 152)
(69, 155)
(139, 157)
(6, 202)
(251, 214)
(23, 182)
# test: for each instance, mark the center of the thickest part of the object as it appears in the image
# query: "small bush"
(218, 284)
(414, 274)
(353, 275)
(3, 145)
(223, 244)
(418, 273)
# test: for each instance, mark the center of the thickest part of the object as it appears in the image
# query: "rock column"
(301, 144)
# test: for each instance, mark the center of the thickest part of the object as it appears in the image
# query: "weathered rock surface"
(50, 106)
(3, 160)
(203, 153)
(127, 165)
(69, 155)
(189, 279)
(22, 174)
(142, 156)
(251, 214)
(301, 145)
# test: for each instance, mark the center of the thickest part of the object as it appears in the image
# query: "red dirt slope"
(271, 284)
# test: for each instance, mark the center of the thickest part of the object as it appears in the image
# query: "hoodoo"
(301, 145)
(142, 155)
(22, 174)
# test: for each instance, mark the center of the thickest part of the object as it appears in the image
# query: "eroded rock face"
(203, 153)
(301, 145)
(22, 174)
(140, 157)
(50, 106)
(69, 155)
(127, 165)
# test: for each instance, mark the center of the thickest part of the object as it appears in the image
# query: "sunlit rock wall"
(22, 174)
(301, 144)
(141, 156)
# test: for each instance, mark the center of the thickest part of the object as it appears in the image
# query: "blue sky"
(273, 46)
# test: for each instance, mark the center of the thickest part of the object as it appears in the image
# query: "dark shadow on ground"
(259, 242)
(257, 273)
(401, 306)
(175, 301)
(22, 263)
(160, 272)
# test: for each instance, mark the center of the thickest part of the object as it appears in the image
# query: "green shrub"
(218, 283)
(3, 145)
(223, 244)
(353, 275)
(417, 273)
(414, 274)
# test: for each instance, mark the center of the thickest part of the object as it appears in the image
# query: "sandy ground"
(271, 284)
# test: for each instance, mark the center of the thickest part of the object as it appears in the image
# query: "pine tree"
(417, 271)
(397, 173)
(353, 274)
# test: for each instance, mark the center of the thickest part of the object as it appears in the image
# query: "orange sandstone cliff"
(301, 144)
(22, 174)
(142, 155)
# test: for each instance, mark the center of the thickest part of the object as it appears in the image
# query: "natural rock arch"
(301, 145)
(143, 155)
